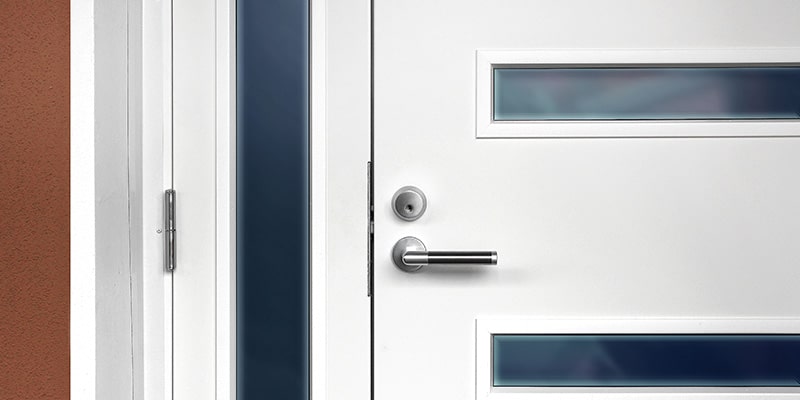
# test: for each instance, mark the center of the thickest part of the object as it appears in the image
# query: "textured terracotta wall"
(34, 199)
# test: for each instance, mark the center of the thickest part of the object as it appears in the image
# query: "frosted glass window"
(646, 93)
(646, 360)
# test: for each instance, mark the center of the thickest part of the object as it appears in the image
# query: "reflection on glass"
(646, 93)
(646, 360)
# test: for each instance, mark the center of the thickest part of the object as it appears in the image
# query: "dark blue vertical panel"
(646, 360)
(647, 93)
(272, 200)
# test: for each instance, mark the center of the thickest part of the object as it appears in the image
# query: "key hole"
(409, 208)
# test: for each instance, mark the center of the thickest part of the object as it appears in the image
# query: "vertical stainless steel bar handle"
(410, 254)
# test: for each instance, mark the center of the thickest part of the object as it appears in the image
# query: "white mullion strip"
(318, 157)
(168, 168)
(167, 88)
(156, 174)
(136, 232)
(225, 199)
(82, 203)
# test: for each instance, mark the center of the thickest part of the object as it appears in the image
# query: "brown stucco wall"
(34, 199)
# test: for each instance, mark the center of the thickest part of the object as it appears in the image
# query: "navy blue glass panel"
(646, 360)
(272, 262)
(646, 93)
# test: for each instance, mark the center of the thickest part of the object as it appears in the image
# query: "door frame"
(340, 130)
(120, 298)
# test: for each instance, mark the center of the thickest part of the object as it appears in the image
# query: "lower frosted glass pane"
(646, 360)
(646, 93)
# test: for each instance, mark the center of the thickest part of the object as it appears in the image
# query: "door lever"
(410, 254)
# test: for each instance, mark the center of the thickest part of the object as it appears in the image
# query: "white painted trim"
(318, 158)
(156, 172)
(194, 140)
(485, 328)
(486, 60)
(347, 98)
(112, 172)
(119, 106)
(225, 151)
(216, 95)
(107, 276)
(136, 201)
(82, 210)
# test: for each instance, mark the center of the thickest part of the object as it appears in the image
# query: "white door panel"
(584, 227)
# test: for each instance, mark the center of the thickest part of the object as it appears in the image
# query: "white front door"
(647, 193)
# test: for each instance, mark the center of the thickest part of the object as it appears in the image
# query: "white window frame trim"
(144, 370)
(82, 211)
(225, 154)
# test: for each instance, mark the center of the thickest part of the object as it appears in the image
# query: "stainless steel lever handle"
(410, 254)
(449, 257)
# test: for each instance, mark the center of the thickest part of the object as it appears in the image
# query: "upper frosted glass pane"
(646, 360)
(645, 93)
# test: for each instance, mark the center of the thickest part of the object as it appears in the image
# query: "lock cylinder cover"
(409, 203)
